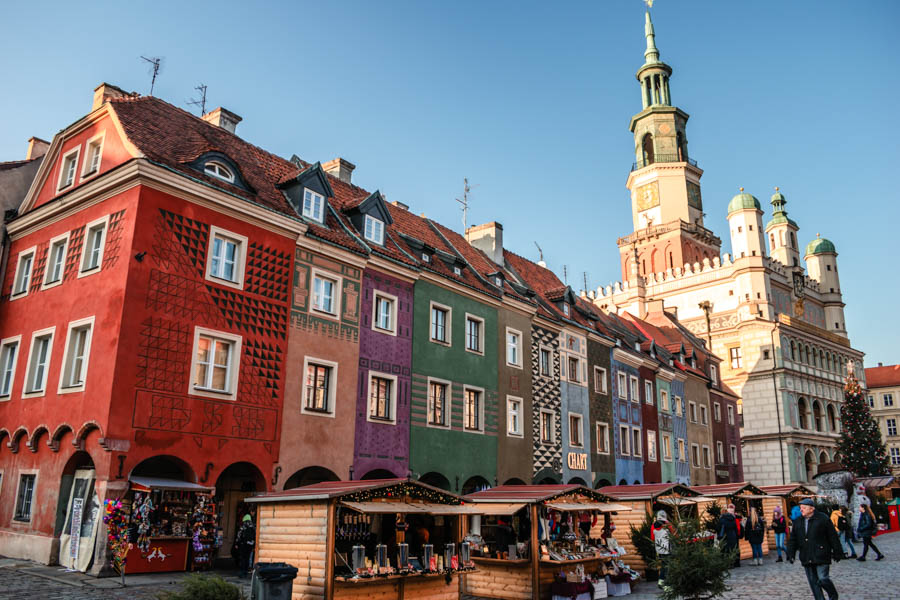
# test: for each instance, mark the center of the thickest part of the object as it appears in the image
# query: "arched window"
(802, 412)
(793, 240)
(821, 359)
(828, 361)
(810, 463)
(217, 169)
(832, 419)
(782, 238)
(793, 350)
(817, 415)
(647, 149)
(808, 359)
(771, 240)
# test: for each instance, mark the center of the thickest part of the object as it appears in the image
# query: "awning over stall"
(145, 484)
(576, 506)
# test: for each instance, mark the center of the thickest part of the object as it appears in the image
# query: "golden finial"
(649, 3)
(776, 188)
(818, 234)
(742, 189)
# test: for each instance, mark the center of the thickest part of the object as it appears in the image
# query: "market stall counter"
(384, 539)
(786, 497)
(172, 525)
(744, 496)
(524, 536)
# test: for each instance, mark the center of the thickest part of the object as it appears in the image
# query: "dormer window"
(218, 170)
(457, 271)
(374, 230)
(566, 309)
(637, 346)
(498, 281)
(425, 258)
(313, 205)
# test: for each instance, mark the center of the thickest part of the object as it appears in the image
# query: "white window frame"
(377, 227)
(706, 455)
(219, 170)
(448, 322)
(448, 403)
(692, 411)
(600, 378)
(28, 253)
(4, 343)
(549, 352)
(634, 388)
(394, 306)
(895, 456)
(717, 412)
(481, 396)
(48, 266)
(602, 429)
(332, 388)
(481, 335)
(50, 331)
(734, 454)
(652, 450)
(234, 365)
(638, 451)
(518, 348)
(311, 214)
(714, 374)
(704, 415)
(720, 452)
(552, 440)
(336, 299)
(240, 259)
(96, 141)
(682, 450)
(61, 184)
(664, 400)
(648, 392)
(695, 455)
(666, 446)
(730, 411)
(103, 223)
(622, 391)
(580, 430)
(887, 400)
(64, 372)
(15, 502)
(510, 401)
(392, 400)
(887, 426)
(624, 440)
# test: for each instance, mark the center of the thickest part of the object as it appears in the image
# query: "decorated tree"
(862, 450)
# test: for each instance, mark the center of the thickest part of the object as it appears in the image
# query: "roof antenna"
(565, 274)
(465, 203)
(156, 63)
(202, 101)
(585, 281)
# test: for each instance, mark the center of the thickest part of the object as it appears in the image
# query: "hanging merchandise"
(141, 510)
(116, 521)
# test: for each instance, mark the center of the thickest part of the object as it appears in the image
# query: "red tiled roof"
(888, 376)
(532, 493)
(645, 491)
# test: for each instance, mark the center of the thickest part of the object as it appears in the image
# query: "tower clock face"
(693, 191)
(647, 195)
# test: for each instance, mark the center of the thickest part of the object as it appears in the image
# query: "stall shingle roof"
(786, 489)
(337, 489)
(646, 491)
(532, 493)
(727, 489)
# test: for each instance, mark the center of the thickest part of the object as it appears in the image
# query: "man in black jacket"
(814, 536)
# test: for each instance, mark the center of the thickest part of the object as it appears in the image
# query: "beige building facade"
(774, 316)
(884, 402)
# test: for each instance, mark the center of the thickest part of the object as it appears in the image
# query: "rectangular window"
(75, 358)
(313, 205)
(714, 375)
(513, 416)
(667, 446)
(437, 403)
(682, 455)
(9, 354)
(214, 364)
(692, 408)
(622, 383)
(25, 497)
(664, 401)
(547, 434)
(39, 361)
(730, 415)
(679, 406)
(440, 324)
(381, 397)
(636, 445)
(736, 357)
(871, 401)
(695, 455)
(67, 168)
(648, 392)
(888, 400)
(545, 361)
(895, 456)
(374, 230)
(324, 290)
(734, 455)
(474, 327)
(704, 418)
(226, 257)
(600, 380)
(706, 457)
(575, 434)
(573, 368)
(624, 440)
(635, 389)
(720, 452)
(385, 313)
(56, 260)
(319, 384)
(717, 412)
(94, 151)
(22, 277)
(602, 438)
(513, 348)
(92, 254)
(651, 445)
(472, 416)
(892, 427)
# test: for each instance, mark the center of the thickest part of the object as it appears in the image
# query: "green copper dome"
(743, 201)
(820, 245)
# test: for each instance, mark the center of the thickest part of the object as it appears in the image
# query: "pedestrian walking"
(660, 534)
(755, 532)
(779, 528)
(730, 533)
(245, 541)
(844, 531)
(815, 538)
(865, 530)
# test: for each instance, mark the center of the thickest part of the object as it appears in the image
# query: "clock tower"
(666, 204)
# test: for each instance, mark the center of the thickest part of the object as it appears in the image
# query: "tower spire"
(653, 74)
(651, 54)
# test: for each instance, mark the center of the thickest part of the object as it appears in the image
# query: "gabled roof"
(534, 493)
(341, 489)
(375, 204)
(727, 489)
(787, 489)
(647, 491)
(877, 377)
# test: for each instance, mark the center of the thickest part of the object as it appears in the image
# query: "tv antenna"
(585, 281)
(465, 203)
(566, 274)
(540, 252)
(202, 101)
(155, 64)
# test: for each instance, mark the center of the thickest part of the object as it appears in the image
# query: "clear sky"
(529, 100)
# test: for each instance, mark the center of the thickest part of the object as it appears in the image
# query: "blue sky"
(529, 100)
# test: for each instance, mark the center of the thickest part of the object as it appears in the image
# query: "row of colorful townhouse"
(178, 303)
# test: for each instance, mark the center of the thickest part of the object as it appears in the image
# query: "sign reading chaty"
(577, 461)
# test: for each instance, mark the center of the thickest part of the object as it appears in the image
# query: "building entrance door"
(76, 540)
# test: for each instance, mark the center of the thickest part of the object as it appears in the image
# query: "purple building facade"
(381, 446)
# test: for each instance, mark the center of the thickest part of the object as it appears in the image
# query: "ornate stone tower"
(666, 205)
(782, 233)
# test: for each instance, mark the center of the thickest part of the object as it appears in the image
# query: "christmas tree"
(861, 448)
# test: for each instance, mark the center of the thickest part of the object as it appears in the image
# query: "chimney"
(399, 204)
(36, 148)
(489, 239)
(221, 117)
(881, 364)
(340, 168)
(105, 92)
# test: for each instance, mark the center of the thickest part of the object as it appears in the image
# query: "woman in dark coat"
(755, 533)
(865, 530)
(730, 533)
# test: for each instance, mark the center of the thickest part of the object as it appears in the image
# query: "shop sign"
(75, 531)
(577, 461)
(721, 473)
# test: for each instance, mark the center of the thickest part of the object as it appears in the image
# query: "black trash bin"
(272, 581)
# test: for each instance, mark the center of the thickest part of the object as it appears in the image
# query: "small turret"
(653, 74)
(782, 233)
(745, 222)
(821, 263)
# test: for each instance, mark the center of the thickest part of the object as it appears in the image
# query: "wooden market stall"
(375, 540)
(644, 499)
(525, 535)
(743, 495)
(785, 496)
